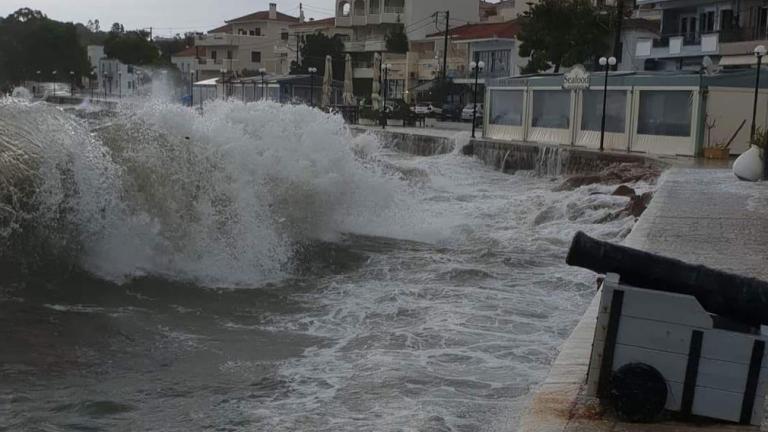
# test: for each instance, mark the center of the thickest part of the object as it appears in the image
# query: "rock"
(638, 204)
(624, 191)
(635, 207)
(614, 174)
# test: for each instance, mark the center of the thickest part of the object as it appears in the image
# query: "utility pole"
(445, 45)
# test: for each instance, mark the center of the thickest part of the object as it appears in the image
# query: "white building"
(372, 20)
(246, 44)
(110, 77)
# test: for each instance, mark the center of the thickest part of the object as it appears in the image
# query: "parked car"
(451, 111)
(425, 108)
(466, 113)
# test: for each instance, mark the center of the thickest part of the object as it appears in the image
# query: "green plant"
(760, 137)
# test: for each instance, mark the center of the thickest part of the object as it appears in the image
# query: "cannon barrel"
(738, 298)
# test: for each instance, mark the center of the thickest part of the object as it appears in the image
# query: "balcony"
(226, 40)
(359, 20)
(343, 21)
(679, 45)
(365, 46)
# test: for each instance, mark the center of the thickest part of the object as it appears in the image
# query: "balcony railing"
(394, 9)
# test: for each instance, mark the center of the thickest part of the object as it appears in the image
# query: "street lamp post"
(120, 84)
(759, 52)
(71, 83)
(262, 72)
(54, 83)
(223, 83)
(312, 72)
(91, 76)
(475, 67)
(385, 68)
(607, 63)
(191, 89)
(38, 84)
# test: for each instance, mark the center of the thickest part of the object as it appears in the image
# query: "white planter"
(393, 122)
(367, 122)
(430, 122)
(749, 166)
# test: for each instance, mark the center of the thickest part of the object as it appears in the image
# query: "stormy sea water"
(258, 267)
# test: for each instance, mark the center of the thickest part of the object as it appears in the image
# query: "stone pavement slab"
(702, 216)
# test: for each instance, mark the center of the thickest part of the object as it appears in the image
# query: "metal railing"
(394, 9)
(740, 34)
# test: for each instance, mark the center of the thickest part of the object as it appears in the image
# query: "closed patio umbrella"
(327, 81)
(375, 97)
(349, 92)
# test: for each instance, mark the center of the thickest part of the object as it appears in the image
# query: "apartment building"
(111, 77)
(246, 44)
(726, 31)
(372, 20)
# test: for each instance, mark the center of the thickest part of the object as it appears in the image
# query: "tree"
(170, 46)
(313, 52)
(559, 33)
(133, 47)
(117, 28)
(31, 42)
(397, 41)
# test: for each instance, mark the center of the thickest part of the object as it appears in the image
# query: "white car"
(466, 113)
(425, 108)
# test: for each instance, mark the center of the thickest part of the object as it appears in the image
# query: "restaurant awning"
(737, 60)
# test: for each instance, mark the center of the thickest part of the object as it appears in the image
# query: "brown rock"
(624, 191)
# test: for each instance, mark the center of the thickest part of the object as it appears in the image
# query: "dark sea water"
(259, 268)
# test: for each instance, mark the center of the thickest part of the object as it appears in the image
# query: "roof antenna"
(301, 13)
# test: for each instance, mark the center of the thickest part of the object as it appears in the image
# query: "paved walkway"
(703, 216)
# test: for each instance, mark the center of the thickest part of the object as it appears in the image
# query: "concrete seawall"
(413, 141)
(551, 160)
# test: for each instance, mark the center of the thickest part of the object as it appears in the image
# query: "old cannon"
(675, 336)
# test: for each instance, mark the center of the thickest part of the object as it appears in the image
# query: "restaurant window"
(666, 113)
(506, 107)
(229, 54)
(214, 55)
(255, 57)
(615, 110)
(551, 109)
(284, 36)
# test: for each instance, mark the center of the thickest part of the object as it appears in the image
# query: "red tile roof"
(223, 29)
(504, 30)
(263, 16)
(191, 52)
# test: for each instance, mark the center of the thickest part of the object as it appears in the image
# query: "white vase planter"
(749, 166)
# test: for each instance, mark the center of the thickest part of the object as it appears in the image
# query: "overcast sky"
(166, 16)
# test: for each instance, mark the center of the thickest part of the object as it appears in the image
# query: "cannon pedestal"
(709, 367)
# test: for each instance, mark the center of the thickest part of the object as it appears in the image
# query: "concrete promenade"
(703, 216)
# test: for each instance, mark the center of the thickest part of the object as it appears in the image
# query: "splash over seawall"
(550, 160)
(222, 199)
(412, 143)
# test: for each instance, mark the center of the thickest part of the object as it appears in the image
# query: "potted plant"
(749, 166)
